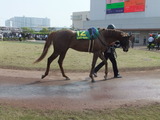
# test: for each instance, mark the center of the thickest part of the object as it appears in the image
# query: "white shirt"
(150, 39)
(20, 35)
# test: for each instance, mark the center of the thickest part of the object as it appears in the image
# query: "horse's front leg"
(101, 56)
(94, 60)
(158, 48)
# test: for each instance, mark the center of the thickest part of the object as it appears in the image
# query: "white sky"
(58, 11)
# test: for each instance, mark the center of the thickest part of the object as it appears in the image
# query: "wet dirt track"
(26, 89)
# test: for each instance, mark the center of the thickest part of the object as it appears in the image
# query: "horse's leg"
(60, 62)
(50, 59)
(101, 56)
(94, 60)
(158, 46)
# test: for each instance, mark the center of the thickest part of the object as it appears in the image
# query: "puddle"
(74, 90)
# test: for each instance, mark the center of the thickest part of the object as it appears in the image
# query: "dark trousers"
(112, 58)
(150, 45)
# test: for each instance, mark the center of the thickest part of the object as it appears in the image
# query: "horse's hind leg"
(50, 59)
(60, 62)
(158, 46)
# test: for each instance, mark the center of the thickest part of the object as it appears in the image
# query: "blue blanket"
(91, 33)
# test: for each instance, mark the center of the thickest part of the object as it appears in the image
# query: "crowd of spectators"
(22, 36)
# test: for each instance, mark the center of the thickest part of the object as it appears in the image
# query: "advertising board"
(124, 6)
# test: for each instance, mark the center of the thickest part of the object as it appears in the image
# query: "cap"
(111, 26)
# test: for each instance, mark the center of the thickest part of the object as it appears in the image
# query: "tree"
(27, 30)
(45, 31)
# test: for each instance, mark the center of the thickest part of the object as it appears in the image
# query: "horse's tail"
(46, 47)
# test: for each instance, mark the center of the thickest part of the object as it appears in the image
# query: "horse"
(65, 39)
(157, 42)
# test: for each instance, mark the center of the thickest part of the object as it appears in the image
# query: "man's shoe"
(95, 74)
(118, 76)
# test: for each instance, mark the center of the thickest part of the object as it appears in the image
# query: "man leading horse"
(65, 39)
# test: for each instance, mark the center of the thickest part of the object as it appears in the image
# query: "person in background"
(110, 54)
(1, 36)
(20, 37)
(150, 41)
(144, 40)
(158, 35)
(132, 40)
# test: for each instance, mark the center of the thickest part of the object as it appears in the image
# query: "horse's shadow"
(68, 82)
(103, 80)
(44, 81)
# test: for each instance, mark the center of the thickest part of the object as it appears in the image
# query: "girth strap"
(91, 45)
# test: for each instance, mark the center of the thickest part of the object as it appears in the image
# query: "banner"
(115, 5)
(124, 6)
(134, 6)
(117, 10)
(113, 1)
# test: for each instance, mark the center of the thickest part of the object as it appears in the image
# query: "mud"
(26, 89)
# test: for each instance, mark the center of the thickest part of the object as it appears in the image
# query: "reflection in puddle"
(74, 90)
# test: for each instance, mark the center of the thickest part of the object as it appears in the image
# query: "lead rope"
(102, 42)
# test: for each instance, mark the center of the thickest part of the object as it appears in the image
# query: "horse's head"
(112, 35)
(124, 41)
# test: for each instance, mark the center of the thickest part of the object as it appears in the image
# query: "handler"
(110, 54)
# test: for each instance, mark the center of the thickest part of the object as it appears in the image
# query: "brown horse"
(63, 40)
(157, 42)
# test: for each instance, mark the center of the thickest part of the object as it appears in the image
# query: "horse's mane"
(113, 32)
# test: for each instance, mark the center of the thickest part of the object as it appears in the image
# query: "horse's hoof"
(105, 77)
(93, 81)
(43, 76)
(67, 78)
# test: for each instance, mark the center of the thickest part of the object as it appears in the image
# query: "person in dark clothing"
(110, 54)
(144, 40)
(132, 40)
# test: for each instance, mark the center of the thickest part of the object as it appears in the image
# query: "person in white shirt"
(1, 36)
(150, 41)
(20, 37)
(158, 35)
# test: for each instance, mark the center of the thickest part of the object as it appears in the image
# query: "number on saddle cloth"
(91, 34)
